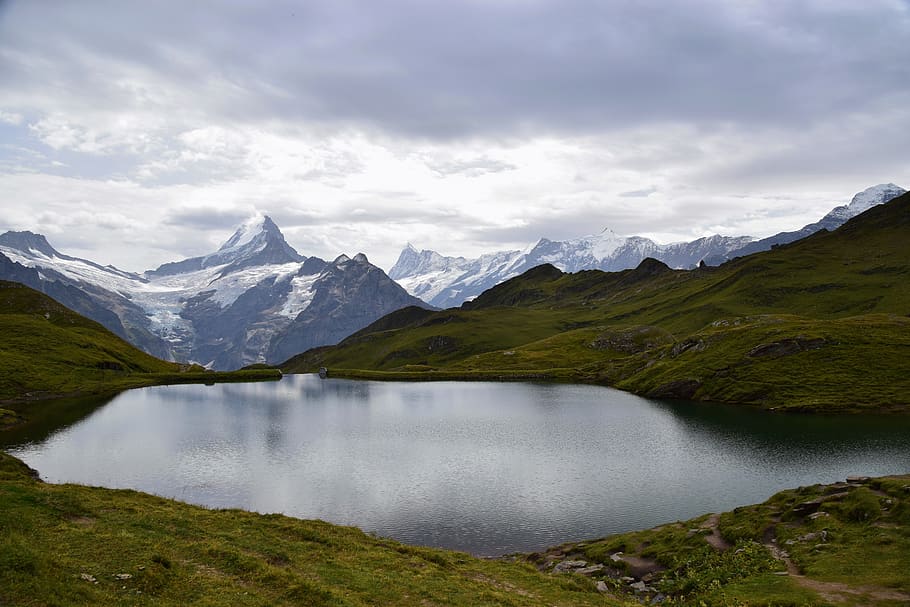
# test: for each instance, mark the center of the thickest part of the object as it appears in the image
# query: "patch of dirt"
(835, 592)
(715, 539)
(640, 566)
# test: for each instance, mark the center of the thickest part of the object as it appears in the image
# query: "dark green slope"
(819, 324)
(47, 350)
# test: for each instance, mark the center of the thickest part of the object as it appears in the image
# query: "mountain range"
(450, 281)
(253, 300)
(819, 324)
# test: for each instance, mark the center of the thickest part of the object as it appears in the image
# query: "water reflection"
(488, 468)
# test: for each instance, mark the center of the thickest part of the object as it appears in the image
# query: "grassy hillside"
(844, 544)
(820, 324)
(73, 545)
(47, 350)
(841, 544)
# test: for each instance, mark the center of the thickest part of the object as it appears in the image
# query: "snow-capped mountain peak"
(257, 242)
(255, 231)
(28, 242)
(863, 201)
(873, 196)
(254, 299)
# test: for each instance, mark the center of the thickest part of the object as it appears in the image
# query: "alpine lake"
(487, 468)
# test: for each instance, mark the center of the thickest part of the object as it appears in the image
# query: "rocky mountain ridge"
(247, 302)
(450, 281)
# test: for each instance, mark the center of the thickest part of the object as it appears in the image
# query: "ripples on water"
(489, 468)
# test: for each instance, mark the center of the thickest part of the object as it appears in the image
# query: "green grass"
(818, 325)
(858, 550)
(48, 351)
(177, 554)
(67, 545)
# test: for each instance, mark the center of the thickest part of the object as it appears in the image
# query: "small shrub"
(861, 506)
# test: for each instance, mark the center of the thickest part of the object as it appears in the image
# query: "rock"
(658, 598)
(590, 570)
(641, 587)
(807, 508)
(781, 573)
(817, 515)
(88, 578)
(627, 579)
(602, 586)
(123, 576)
(616, 558)
(569, 566)
(809, 537)
(681, 388)
(861, 480)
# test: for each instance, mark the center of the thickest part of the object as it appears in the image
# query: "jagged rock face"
(450, 281)
(224, 310)
(350, 294)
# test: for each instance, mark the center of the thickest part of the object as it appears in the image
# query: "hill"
(71, 545)
(797, 327)
(47, 351)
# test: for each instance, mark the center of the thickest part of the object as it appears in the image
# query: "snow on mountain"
(225, 309)
(450, 281)
(861, 202)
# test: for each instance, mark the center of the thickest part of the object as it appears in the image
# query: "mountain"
(816, 324)
(863, 201)
(255, 299)
(449, 281)
(50, 351)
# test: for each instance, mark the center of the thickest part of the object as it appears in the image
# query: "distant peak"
(26, 241)
(341, 259)
(410, 247)
(361, 258)
(251, 228)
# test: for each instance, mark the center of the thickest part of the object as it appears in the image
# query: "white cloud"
(462, 127)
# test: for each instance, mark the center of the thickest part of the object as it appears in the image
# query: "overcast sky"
(138, 132)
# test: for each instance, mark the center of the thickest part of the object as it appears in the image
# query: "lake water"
(489, 468)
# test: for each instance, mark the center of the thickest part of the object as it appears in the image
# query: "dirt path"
(715, 539)
(834, 591)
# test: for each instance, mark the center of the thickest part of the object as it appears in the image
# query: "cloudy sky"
(137, 132)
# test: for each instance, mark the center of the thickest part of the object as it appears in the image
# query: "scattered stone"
(616, 558)
(817, 515)
(641, 587)
(123, 576)
(602, 586)
(590, 570)
(569, 566)
(88, 578)
(627, 579)
(658, 598)
(861, 480)
(790, 542)
(781, 573)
